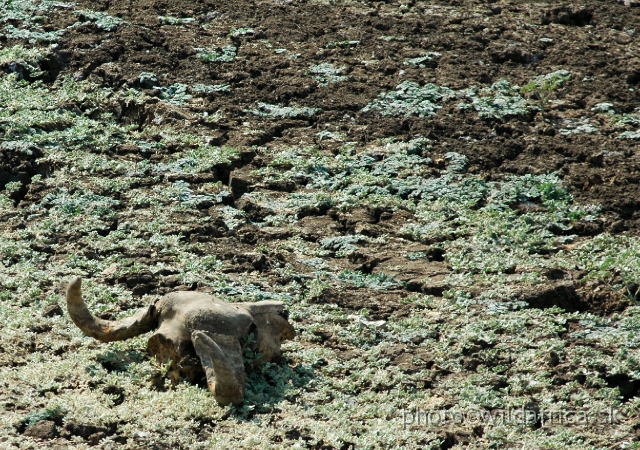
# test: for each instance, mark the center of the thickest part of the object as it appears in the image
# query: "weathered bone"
(197, 332)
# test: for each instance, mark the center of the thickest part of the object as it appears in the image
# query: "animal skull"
(197, 332)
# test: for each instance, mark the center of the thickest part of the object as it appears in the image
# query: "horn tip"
(73, 290)
(74, 283)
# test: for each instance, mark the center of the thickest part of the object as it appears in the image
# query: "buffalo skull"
(198, 333)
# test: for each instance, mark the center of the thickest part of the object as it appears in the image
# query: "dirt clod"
(44, 429)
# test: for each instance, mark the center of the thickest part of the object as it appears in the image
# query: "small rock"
(113, 268)
(414, 285)
(52, 311)
(376, 324)
(44, 429)
(172, 280)
(141, 435)
(183, 287)
(95, 438)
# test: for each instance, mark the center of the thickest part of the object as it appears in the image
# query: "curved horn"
(221, 358)
(106, 330)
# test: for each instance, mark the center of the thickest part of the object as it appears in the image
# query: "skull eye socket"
(284, 314)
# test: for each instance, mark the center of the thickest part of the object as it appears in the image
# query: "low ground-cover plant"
(577, 127)
(169, 20)
(422, 61)
(225, 54)
(19, 58)
(326, 74)
(282, 112)
(548, 82)
(501, 99)
(101, 20)
(23, 19)
(411, 99)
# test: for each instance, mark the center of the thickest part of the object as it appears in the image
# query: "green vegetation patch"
(628, 119)
(548, 82)
(284, 112)
(181, 192)
(342, 243)
(101, 20)
(343, 44)
(497, 236)
(178, 93)
(378, 281)
(169, 20)
(202, 159)
(29, 16)
(326, 74)
(387, 174)
(175, 94)
(210, 88)
(583, 126)
(242, 31)
(422, 61)
(613, 258)
(410, 99)
(12, 32)
(501, 99)
(225, 54)
(630, 135)
(605, 107)
(33, 113)
(19, 58)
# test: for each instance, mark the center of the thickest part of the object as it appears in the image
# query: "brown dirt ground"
(591, 39)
